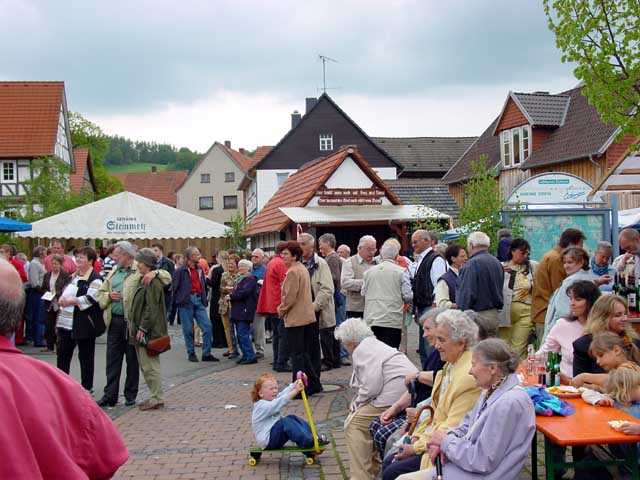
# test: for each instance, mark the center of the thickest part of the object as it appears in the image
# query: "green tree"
(483, 204)
(88, 135)
(234, 233)
(47, 193)
(602, 37)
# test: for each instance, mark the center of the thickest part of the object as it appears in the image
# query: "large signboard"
(552, 189)
(350, 196)
(124, 226)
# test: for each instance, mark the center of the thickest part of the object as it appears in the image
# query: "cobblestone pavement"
(204, 431)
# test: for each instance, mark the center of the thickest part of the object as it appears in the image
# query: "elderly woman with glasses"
(378, 376)
(492, 441)
(454, 392)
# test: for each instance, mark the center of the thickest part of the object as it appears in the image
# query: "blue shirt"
(259, 271)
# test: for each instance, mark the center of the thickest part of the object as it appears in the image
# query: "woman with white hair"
(454, 392)
(244, 299)
(378, 377)
(492, 441)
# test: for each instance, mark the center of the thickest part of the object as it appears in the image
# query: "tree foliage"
(234, 233)
(124, 151)
(87, 134)
(483, 204)
(47, 193)
(602, 37)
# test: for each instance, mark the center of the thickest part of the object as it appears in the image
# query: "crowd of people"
(322, 308)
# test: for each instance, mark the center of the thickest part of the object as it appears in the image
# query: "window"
(205, 178)
(326, 142)
(8, 172)
(515, 145)
(229, 177)
(230, 202)
(206, 203)
(282, 177)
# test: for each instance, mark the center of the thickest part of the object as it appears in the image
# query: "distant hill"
(135, 167)
(126, 155)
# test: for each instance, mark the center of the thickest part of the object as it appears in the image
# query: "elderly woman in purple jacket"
(244, 299)
(494, 438)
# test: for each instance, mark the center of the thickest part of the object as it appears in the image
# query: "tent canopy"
(125, 216)
(11, 225)
(360, 213)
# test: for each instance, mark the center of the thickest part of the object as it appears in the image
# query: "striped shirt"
(65, 316)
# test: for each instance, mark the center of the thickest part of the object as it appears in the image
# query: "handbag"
(158, 345)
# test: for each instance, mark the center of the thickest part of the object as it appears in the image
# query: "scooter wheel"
(252, 461)
(310, 460)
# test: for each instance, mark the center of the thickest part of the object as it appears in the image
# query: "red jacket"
(17, 264)
(53, 426)
(270, 292)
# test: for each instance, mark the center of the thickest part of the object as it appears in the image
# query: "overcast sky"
(193, 72)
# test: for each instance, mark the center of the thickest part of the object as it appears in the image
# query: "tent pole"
(614, 224)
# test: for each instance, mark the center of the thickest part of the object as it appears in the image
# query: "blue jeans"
(290, 428)
(243, 331)
(35, 317)
(341, 316)
(187, 313)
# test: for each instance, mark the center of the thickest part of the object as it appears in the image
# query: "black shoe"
(325, 368)
(210, 358)
(233, 355)
(345, 363)
(259, 355)
(282, 369)
(192, 357)
(105, 402)
(323, 440)
(248, 362)
(130, 403)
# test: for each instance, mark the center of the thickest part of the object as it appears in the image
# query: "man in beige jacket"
(323, 303)
(353, 275)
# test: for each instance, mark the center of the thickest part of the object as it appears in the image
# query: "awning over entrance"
(625, 177)
(361, 213)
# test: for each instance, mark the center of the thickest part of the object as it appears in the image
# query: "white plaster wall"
(386, 173)
(267, 184)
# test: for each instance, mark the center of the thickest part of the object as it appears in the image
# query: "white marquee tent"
(125, 216)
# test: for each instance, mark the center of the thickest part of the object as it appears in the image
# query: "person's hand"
(433, 451)
(410, 377)
(603, 280)
(436, 438)
(412, 414)
(140, 336)
(388, 415)
(148, 278)
(629, 428)
(115, 296)
(454, 306)
(405, 451)
(578, 380)
(299, 386)
(605, 402)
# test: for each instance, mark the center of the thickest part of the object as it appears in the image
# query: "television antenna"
(324, 59)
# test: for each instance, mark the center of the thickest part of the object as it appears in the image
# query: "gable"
(511, 117)
(301, 144)
(215, 162)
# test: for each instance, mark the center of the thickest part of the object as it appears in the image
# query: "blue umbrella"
(10, 225)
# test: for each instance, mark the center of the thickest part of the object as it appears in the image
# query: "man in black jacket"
(164, 264)
(481, 282)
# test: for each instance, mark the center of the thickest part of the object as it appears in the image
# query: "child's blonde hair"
(620, 384)
(605, 341)
(255, 391)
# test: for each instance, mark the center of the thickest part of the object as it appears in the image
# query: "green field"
(134, 167)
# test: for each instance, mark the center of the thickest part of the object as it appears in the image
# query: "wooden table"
(587, 426)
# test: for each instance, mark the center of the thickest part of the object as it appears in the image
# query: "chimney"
(154, 169)
(227, 143)
(295, 119)
(310, 102)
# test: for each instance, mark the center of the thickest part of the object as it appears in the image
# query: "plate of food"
(564, 391)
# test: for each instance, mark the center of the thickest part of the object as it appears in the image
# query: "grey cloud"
(124, 56)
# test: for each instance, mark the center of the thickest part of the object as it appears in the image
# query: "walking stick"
(412, 427)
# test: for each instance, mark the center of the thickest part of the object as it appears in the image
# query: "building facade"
(211, 189)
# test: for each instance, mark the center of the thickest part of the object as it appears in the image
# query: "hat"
(147, 256)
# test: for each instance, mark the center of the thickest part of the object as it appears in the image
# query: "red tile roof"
(29, 113)
(160, 186)
(77, 177)
(244, 162)
(301, 186)
(259, 154)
